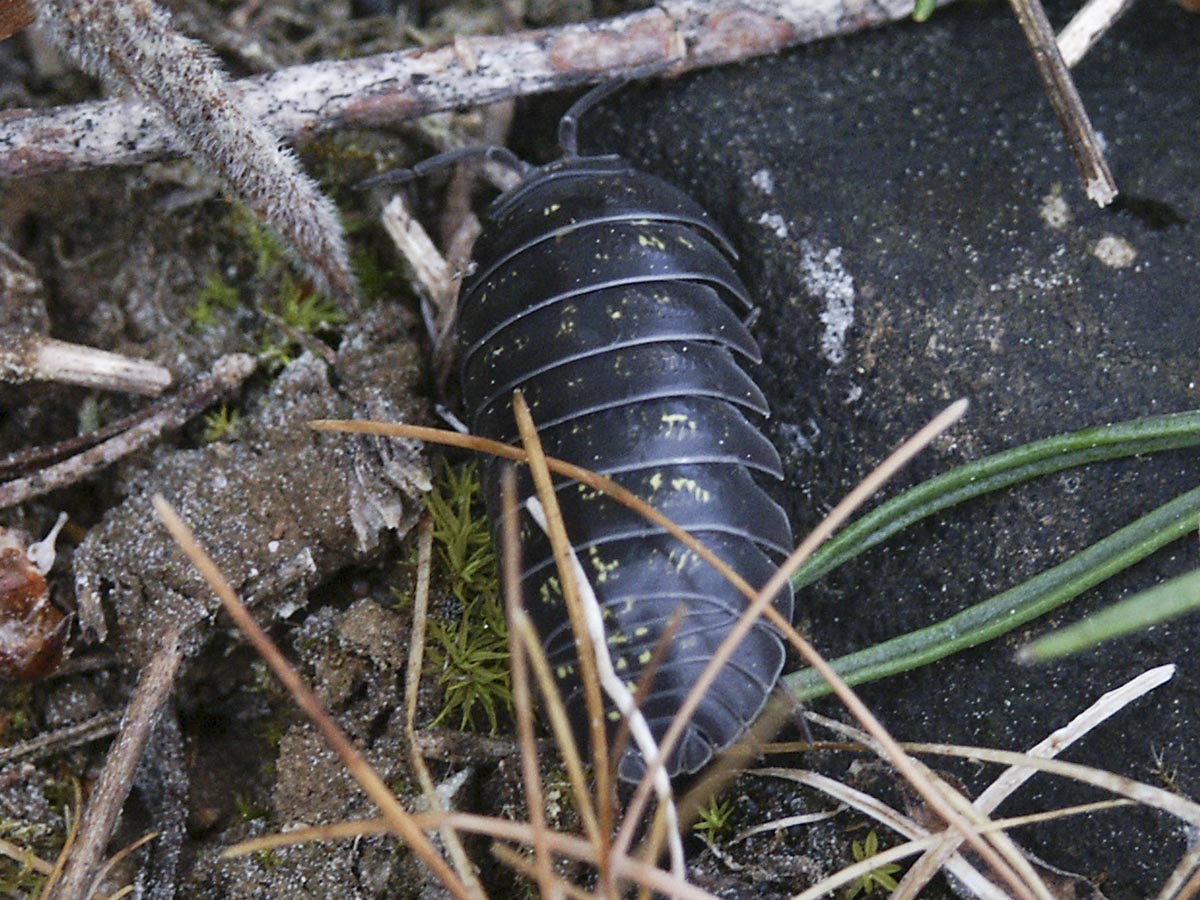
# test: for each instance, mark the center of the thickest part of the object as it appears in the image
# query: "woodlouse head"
(33, 631)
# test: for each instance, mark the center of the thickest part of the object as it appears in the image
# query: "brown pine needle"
(541, 871)
(412, 686)
(560, 726)
(585, 476)
(73, 818)
(585, 652)
(368, 779)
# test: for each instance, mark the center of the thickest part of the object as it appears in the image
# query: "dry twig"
(104, 806)
(1064, 97)
(93, 729)
(226, 375)
(303, 100)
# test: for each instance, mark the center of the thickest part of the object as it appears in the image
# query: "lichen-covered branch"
(300, 101)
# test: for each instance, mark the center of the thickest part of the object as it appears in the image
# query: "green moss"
(469, 654)
(716, 818)
(877, 880)
(222, 422)
(17, 720)
(216, 295)
(268, 860)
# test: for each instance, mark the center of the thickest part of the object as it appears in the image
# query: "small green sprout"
(297, 311)
(716, 818)
(216, 295)
(469, 654)
(878, 879)
(246, 810)
(306, 310)
(268, 860)
(222, 422)
(264, 245)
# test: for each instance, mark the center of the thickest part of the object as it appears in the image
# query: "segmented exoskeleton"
(608, 297)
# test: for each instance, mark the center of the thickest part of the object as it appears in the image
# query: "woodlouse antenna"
(568, 125)
(487, 152)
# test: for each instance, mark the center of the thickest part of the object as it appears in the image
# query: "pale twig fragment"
(132, 43)
(1088, 26)
(28, 356)
(1012, 778)
(108, 797)
(437, 277)
(226, 374)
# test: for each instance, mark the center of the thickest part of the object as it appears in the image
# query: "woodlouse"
(609, 298)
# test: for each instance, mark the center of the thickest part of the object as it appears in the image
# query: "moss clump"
(468, 654)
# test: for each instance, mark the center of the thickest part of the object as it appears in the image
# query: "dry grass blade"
(560, 727)
(542, 874)
(902, 851)
(338, 831)
(1010, 780)
(412, 685)
(585, 650)
(1184, 882)
(398, 818)
(891, 749)
(971, 878)
(73, 818)
(1140, 792)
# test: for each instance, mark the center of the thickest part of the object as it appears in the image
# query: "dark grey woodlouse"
(609, 298)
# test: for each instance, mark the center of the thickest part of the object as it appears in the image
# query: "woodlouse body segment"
(610, 299)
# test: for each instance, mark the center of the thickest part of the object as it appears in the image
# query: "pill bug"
(609, 298)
